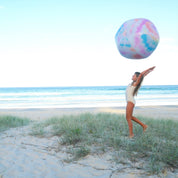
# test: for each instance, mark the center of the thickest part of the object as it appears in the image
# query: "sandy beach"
(157, 112)
(23, 155)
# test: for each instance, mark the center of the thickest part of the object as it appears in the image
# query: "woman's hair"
(139, 85)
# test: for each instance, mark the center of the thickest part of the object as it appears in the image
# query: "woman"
(131, 91)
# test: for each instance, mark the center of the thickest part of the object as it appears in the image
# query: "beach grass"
(7, 122)
(157, 147)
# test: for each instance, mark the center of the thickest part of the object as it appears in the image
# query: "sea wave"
(70, 97)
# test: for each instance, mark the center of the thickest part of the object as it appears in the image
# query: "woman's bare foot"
(144, 128)
(131, 136)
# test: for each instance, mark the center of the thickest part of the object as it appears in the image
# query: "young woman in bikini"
(131, 91)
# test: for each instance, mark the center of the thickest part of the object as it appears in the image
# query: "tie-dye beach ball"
(137, 38)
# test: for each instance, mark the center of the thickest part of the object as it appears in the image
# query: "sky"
(46, 43)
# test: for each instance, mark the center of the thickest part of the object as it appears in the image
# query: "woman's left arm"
(146, 72)
(143, 74)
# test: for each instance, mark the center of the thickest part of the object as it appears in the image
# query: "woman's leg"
(139, 122)
(129, 111)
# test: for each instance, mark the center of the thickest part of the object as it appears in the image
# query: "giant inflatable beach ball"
(137, 38)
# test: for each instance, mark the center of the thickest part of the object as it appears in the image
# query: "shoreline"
(157, 112)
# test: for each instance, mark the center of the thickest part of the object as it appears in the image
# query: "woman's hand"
(146, 72)
(152, 68)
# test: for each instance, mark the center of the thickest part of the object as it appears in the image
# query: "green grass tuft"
(7, 122)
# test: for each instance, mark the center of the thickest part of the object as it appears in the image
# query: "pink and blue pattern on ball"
(137, 38)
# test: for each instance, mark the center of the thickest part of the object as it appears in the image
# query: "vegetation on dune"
(157, 147)
(7, 122)
(88, 133)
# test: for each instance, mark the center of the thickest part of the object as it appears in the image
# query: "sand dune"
(22, 155)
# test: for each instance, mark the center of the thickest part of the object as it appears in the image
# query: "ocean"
(79, 97)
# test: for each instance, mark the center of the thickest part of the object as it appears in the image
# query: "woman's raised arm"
(143, 74)
(146, 72)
